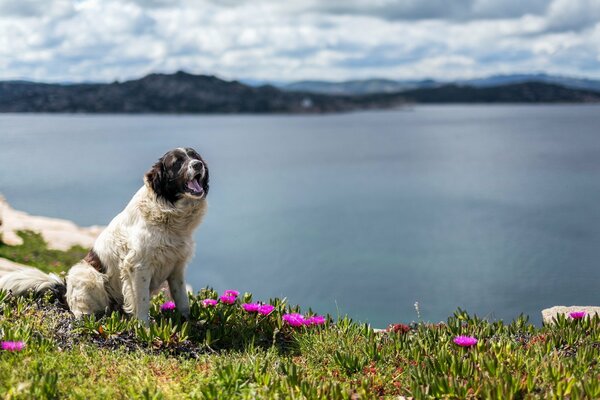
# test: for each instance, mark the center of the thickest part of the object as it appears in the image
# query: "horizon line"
(275, 82)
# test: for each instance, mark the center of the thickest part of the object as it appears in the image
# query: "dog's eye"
(192, 153)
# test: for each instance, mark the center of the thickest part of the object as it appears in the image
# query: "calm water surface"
(495, 209)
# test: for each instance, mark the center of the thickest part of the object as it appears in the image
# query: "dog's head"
(180, 173)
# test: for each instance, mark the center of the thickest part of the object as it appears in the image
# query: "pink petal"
(227, 299)
(251, 307)
(294, 319)
(209, 302)
(168, 306)
(317, 320)
(465, 341)
(12, 346)
(577, 314)
(266, 309)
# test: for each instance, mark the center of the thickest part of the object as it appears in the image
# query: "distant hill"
(186, 93)
(528, 92)
(173, 93)
(569, 82)
(357, 87)
(369, 86)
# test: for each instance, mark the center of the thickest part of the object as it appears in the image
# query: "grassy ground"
(226, 352)
(34, 252)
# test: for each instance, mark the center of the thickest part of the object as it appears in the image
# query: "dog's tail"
(20, 280)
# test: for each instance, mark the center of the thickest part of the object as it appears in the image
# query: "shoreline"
(61, 234)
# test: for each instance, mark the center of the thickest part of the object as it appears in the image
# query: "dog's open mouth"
(194, 187)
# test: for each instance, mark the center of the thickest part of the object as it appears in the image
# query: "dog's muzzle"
(196, 172)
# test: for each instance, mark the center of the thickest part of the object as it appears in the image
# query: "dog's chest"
(166, 255)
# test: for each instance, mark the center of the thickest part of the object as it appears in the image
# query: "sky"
(287, 40)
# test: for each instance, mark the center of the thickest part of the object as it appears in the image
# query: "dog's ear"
(205, 180)
(156, 178)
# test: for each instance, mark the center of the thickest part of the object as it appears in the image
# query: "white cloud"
(567, 15)
(274, 40)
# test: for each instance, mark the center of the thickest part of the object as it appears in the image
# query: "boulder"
(552, 312)
(59, 234)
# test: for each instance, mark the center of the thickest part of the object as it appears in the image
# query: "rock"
(59, 234)
(550, 313)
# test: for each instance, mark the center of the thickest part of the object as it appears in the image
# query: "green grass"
(34, 252)
(225, 352)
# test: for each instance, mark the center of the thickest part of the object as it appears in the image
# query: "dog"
(148, 243)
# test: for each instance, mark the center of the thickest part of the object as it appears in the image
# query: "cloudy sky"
(281, 40)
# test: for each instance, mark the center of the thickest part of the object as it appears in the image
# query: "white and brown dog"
(149, 242)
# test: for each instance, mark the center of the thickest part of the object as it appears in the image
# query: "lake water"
(495, 209)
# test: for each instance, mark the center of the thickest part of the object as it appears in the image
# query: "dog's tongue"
(194, 185)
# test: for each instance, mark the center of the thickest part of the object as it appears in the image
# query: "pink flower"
(209, 302)
(577, 314)
(316, 320)
(167, 306)
(227, 299)
(12, 346)
(294, 319)
(266, 309)
(251, 307)
(233, 293)
(465, 341)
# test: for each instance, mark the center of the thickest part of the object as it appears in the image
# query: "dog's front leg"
(178, 290)
(141, 284)
(136, 292)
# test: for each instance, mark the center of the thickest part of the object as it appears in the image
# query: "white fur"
(21, 279)
(149, 242)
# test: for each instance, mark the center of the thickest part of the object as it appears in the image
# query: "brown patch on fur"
(93, 259)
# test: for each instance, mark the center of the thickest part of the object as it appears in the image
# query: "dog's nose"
(197, 165)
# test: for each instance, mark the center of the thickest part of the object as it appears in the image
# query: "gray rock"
(550, 313)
